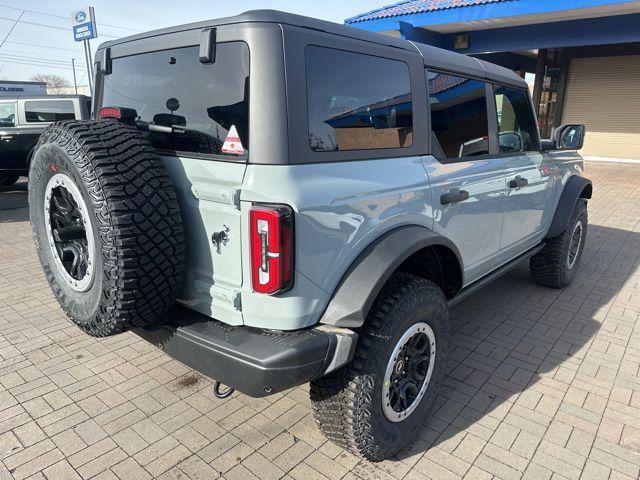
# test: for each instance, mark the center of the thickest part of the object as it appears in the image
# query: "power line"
(38, 45)
(36, 64)
(25, 22)
(67, 18)
(11, 29)
(40, 59)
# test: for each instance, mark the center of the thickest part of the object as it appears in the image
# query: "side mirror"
(568, 137)
(510, 142)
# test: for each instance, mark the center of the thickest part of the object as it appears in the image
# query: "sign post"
(84, 29)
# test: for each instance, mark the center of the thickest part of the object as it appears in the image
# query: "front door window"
(517, 130)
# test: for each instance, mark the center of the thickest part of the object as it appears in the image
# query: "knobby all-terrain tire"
(134, 219)
(550, 267)
(347, 403)
(8, 179)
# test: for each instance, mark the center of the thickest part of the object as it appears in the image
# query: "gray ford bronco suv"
(275, 200)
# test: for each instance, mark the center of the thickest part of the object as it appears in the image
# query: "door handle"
(518, 182)
(454, 197)
(6, 137)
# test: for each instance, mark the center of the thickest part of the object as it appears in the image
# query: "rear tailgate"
(197, 117)
(209, 195)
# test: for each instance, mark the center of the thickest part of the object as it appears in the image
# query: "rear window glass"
(205, 104)
(36, 111)
(357, 102)
(458, 115)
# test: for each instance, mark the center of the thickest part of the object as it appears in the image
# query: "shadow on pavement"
(14, 206)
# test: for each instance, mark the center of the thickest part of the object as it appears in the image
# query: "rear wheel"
(376, 405)
(7, 179)
(107, 225)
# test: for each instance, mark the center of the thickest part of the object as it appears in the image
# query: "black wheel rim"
(574, 245)
(408, 372)
(68, 231)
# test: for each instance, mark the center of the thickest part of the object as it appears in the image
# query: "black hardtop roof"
(434, 57)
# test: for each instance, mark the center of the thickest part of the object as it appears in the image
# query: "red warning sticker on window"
(232, 143)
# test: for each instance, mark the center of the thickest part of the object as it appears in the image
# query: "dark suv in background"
(23, 119)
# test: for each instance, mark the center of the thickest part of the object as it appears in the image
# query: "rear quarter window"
(357, 101)
(39, 111)
(206, 103)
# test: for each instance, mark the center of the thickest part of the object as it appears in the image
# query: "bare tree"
(55, 83)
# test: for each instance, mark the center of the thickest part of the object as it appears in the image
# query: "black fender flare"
(360, 285)
(576, 187)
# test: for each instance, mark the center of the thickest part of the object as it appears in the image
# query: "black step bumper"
(253, 361)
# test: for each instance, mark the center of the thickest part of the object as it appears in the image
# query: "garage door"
(604, 94)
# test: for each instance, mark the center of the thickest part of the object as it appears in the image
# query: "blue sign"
(84, 24)
(83, 32)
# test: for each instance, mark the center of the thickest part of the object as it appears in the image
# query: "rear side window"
(459, 117)
(36, 111)
(7, 114)
(357, 102)
(204, 104)
(517, 131)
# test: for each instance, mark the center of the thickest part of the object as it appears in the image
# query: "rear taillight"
(109, 112)
(271, 231)
(127, 115)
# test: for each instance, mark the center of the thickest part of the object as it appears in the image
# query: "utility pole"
(73, 66)
(87, 56)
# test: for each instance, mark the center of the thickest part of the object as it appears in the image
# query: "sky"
(42, 41)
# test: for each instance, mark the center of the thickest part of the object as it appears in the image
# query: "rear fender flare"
(576, 187)
(360, 285)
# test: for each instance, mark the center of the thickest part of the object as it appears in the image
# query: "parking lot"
(542, 383)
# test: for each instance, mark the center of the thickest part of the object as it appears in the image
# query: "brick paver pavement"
(543, 383)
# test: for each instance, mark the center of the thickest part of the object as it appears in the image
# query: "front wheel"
(556, 265)
(375, 406)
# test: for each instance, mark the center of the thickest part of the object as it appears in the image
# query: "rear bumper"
(255, 362)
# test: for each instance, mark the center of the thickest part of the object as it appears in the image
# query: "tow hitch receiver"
(222, 394)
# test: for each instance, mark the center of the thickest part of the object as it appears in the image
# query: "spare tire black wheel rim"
(574, 245)
(408, 372)
(69, 232)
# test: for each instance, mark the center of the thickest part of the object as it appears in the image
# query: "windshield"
(206, 105)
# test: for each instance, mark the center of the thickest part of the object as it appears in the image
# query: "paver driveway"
(542, 383)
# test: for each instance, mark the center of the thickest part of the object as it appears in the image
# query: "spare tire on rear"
(107, 225)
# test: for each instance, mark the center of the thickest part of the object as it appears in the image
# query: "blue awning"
(409, 7)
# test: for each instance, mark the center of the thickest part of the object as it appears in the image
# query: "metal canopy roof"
(409, 7)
